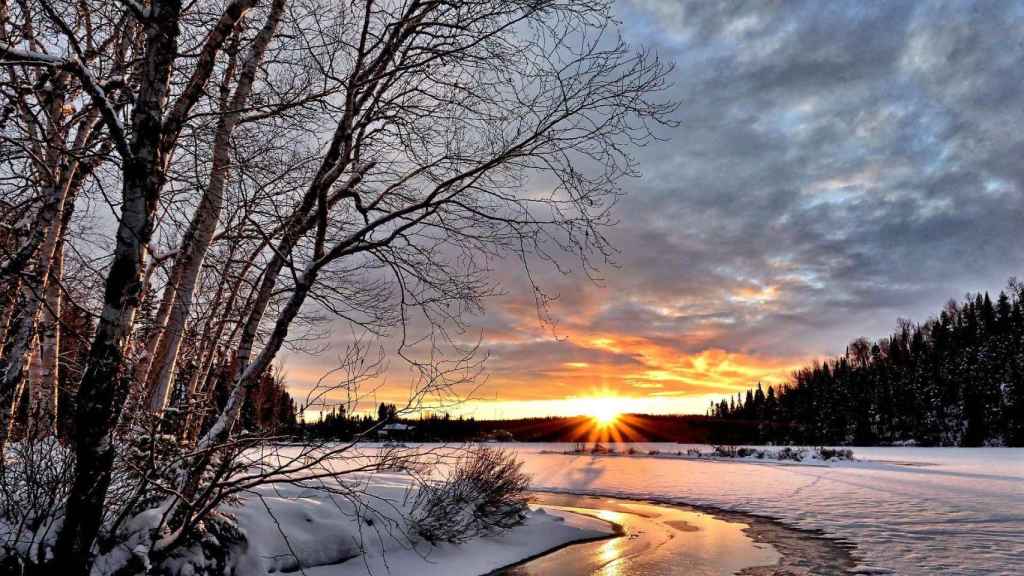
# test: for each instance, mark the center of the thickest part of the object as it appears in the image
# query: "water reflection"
(656, 541)
(611, 551)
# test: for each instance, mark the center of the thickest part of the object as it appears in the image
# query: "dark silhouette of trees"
(270, 408)
(386, 412)
(956, 380)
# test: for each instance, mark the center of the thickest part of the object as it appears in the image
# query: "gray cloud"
(862, 158)
(836, 166)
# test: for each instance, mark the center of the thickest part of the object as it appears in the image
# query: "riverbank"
(772, 455)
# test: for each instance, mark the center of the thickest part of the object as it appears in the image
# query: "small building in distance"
(396, 431)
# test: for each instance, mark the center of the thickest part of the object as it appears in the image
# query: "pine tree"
(954, 380)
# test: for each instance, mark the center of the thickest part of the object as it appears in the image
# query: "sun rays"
(602, 409)
(603, 419)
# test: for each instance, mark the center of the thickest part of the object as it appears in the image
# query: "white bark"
(144, 364)
(44, 381)
(197, 240)
(31, 294)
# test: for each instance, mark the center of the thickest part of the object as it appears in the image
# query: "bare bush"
(483, 494)
(724, 451)
(34, 481)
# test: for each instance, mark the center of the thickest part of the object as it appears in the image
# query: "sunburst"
(604, 410)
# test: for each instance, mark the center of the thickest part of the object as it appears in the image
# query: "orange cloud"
(536, 369)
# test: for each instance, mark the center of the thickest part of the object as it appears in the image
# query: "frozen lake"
(906, 510)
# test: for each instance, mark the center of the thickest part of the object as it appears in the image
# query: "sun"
(603, 410)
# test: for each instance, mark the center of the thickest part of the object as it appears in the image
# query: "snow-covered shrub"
(788, 453)
(695, 452)
(723, 451)
(146, 457)
(834, 453)
(35, 476)
(484, 493)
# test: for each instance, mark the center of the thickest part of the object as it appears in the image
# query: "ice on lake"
(907, 510)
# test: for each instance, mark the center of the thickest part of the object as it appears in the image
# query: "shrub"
(35, 478)
(723, 451)
(795, 454)
(483, 494)
(835, 453)
(631, 451)
(695, 452)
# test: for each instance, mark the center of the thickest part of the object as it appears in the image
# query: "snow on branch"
(138, 10)
(99, 98)
(11, 55)
(14, 56)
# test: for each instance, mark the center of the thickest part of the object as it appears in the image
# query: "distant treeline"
(339, 425)
(956, 380)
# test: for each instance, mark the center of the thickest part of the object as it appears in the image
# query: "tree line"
(954, 380)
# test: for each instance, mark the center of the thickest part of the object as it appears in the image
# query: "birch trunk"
(38, 254)
(200, 378)
(17, 354)
(7, 292)
(144, 364)
(103, 387)
(101, 391)
(204, 222)
(44, 381)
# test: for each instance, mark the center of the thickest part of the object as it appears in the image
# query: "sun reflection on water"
(657, 541)
(611, 552)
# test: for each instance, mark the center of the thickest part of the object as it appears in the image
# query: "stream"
(660, 540)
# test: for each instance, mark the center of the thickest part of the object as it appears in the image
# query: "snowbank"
(323, 533)
(544, 530)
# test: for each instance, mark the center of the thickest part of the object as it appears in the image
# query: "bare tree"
(358, 163)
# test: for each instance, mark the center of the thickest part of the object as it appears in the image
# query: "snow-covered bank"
(543, 531)
(288, 528)
(721, 453)
(907, 510)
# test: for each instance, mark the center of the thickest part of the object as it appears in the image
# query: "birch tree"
(364, 162)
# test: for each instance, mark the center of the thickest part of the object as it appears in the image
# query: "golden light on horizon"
(604, 410)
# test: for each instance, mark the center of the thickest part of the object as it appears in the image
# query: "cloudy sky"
(836, 166)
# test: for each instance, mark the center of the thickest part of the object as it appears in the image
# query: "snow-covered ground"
(323, 533)
(907, 510)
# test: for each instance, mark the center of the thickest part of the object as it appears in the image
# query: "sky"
(836, 166)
